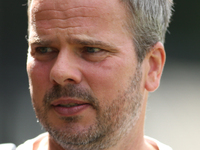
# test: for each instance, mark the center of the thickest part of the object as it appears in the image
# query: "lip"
(69, 111)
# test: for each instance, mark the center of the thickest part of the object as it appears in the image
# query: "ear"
(155, 60)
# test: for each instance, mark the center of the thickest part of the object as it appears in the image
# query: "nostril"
(70, 79)
(67, 80)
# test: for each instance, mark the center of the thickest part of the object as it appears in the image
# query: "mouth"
(66, 107)
(69, 105)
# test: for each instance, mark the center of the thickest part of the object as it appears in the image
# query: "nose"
(65, 69)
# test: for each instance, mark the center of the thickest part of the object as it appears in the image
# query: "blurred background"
(173, 111)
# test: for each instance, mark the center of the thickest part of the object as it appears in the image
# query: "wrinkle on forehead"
(66, 8)
(77, 16)
(73, 17)
(66, 14)
(76, 22)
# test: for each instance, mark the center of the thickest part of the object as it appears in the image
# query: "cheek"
(108, 80)
(38, 79)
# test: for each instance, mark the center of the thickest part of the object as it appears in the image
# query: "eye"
(43, 50)
(93, 54)
(92, 49)
(44, 53)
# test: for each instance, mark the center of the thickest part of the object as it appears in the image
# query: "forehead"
(63, 9)
(86, 17)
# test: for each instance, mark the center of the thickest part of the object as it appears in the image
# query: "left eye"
(93, 54)
(92, 49)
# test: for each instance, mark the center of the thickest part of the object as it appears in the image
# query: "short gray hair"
(147, 22)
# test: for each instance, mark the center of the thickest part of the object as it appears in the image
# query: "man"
(91, 64)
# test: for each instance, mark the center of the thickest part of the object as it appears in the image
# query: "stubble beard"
(112, 122)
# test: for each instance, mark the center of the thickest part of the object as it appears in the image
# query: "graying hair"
(147, 22)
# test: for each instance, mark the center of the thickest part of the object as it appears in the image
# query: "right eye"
(43, 50)
(44, 53)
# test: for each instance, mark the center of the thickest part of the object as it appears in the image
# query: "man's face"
(83, 72)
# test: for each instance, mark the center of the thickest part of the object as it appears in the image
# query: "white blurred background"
(173, 111)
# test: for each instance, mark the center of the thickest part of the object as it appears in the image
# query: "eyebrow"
(91, 42)
(75, 41)
(38, 41)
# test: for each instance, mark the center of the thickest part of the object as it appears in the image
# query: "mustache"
(72, 91)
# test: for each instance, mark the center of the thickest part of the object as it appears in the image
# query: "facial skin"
(79, 53)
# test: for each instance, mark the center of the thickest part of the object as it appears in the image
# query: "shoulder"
(7, 146)
(160, 145)
(32, 144)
